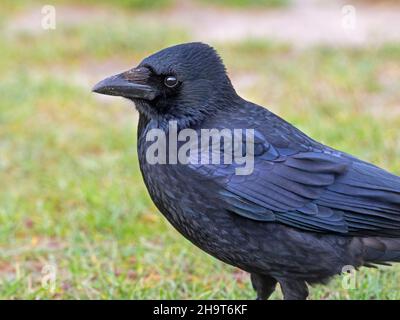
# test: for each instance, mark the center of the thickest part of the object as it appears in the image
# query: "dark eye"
(170, 81)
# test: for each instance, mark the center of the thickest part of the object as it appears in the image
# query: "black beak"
(121, 85)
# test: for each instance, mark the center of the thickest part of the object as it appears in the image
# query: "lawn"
(72, 197)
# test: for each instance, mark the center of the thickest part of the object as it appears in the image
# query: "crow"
(304, 213)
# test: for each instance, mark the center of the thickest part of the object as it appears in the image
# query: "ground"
(72, 199)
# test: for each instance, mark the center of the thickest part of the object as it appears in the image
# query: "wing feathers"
(318, 191)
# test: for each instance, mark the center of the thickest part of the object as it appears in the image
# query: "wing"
(319, 190)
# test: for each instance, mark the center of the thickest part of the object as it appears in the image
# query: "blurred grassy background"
(71, 190)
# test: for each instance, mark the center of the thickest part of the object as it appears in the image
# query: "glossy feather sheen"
(306, 211)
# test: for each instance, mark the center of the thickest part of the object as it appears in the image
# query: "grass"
(248, 3)
(71, 191)
(140, 5)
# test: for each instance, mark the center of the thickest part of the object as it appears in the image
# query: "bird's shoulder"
(268, 128)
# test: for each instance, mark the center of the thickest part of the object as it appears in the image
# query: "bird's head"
(183, 82)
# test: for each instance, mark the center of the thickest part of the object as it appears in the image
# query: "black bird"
(304, 213)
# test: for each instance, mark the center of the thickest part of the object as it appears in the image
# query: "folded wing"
(319, 191)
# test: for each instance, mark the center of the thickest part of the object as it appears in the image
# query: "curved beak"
(122, 85)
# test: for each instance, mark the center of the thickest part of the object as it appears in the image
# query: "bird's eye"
(170, 81)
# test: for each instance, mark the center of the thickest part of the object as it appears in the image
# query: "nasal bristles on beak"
(138, 75)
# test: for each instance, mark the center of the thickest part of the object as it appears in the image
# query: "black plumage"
(304, 213)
